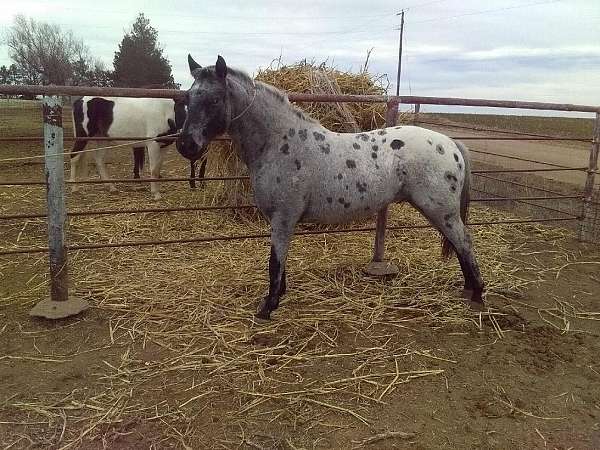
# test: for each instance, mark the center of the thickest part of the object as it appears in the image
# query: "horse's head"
(208, 110)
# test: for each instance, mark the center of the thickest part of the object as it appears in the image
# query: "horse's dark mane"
(244, 78)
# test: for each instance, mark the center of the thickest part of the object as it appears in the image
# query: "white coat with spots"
(302, 172)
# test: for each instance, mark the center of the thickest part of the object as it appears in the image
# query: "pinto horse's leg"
(192, 174)
(155, 155)
(281, 234)
(101, 167)
(202, 171)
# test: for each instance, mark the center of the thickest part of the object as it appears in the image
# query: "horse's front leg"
(281, 234)
(99, 156)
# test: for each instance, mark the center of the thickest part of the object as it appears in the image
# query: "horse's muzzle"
(187, 147)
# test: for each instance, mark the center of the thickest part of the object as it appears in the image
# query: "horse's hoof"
(263, 312)
(472, 300)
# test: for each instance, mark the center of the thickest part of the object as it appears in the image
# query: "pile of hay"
(310, 78)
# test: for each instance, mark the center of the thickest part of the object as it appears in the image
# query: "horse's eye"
(215, 101)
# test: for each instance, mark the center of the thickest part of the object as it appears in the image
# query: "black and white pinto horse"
(129, 117)
(303, 172)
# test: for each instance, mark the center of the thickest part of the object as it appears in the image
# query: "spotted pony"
(303, 172)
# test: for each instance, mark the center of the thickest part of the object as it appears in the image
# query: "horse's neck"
(257, 120)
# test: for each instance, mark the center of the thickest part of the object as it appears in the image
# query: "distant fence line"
(55, 184)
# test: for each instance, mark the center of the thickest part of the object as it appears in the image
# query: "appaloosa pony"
(128, 117)
(303, 172)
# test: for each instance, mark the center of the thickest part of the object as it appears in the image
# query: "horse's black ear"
(221, 67)
(193, 64)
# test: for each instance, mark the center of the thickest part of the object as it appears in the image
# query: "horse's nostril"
(204, 133)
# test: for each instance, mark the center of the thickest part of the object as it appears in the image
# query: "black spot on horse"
(292, 132)
(429, 141)
(455, 157)
(377, 166)
(298, 165)
(318, 136)
(383, 140)
(451, 177)
(325, 147)
(381, 132)
(278, 179)
(343, 201)
(346, 187)
(356, 146)
(440, 149)
(285, 149)
(303, 134)
(285, 137)
(362, 136)
(459, 165)
(397, 128)
(375, 148)
(374, 155)
(362, 187)
(397, 144)
(372, 139)
(339, 176)
(329, 200)
(447, 217)
(351, 164)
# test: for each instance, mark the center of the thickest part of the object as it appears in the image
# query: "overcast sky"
(499, 49)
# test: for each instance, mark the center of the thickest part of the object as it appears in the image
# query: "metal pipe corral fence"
(60, 305)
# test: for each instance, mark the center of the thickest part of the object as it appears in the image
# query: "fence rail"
(57, 214)
(299, 97)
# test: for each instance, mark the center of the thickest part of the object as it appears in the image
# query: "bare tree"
(50, 55)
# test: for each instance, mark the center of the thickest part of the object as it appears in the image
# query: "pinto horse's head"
(208, 110)
(186, 148)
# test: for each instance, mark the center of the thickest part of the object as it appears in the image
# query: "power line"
(487, 11)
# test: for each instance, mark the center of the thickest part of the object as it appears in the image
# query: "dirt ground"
(168, 355)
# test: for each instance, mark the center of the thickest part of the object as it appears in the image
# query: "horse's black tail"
(138, 161)
(447, 248)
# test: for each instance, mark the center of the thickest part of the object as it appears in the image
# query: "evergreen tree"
(139, 61)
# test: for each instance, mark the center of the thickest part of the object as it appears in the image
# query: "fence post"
(417, 110)
(378, 266)
(586, 233)
(59, 305)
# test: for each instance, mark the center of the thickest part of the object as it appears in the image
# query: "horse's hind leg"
(282, 230)
(155, 155)
(446, 218)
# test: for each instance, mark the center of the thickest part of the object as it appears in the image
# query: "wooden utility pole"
(401, 14)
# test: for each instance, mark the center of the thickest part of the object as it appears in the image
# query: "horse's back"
(125, 116)
(346, 176)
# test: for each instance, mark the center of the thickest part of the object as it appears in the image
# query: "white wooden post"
(59, 305)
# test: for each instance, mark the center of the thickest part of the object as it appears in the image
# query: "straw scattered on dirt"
(182, 317)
